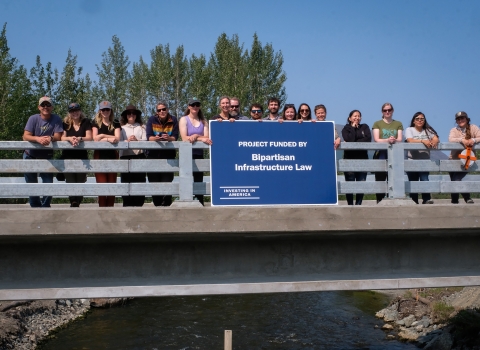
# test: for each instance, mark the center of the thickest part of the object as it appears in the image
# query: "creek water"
(321, 320)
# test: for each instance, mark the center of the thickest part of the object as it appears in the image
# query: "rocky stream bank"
(25, 324)
(435, 318)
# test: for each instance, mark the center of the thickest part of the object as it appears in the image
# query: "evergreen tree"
(113, 75)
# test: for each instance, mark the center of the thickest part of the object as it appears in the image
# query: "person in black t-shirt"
(76, 129)
(106, 129)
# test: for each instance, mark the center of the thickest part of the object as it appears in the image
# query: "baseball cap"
(73, 106)
(45, 99)
(104, 104)
(461, 114)
(193, 100)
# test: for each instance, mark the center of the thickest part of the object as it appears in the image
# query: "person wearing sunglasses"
(420, 131)
(304, 112)
(235, 109)
(468, 135)
(194, 127)
(256, 111)
(105, 128)
(132, 130)
(162, 127)
(321, 115)
(355, 131)
(385, 130)
(42, 128)
(76, 129)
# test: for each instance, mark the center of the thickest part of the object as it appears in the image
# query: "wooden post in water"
(228, 340)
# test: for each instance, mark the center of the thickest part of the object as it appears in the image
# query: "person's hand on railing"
(112, 139)
(468, 143)
(44, 140)
(132, 138)
(336, 143)
(74, 141)
(392, 140)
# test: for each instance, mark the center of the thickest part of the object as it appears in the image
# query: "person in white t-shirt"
(420, 132)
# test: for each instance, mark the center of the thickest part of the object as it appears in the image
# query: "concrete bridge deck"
(109, 252)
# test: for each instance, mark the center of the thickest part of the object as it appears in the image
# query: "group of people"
(75, 128)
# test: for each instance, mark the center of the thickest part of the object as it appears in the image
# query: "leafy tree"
(266, 77)
(44, 80)
(228, 64)
(199, 83)
(161, 75)
(138, 87)
(16, 100)
(113, 75)
(179, 81)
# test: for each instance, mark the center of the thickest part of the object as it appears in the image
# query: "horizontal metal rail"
(396, 165)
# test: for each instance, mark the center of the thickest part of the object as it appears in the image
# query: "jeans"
(32, 178)
(355, 176)
(458, 176)
(419, 176)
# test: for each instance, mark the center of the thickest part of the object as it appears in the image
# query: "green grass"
(442, 311)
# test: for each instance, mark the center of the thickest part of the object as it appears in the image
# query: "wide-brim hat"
(131, 108)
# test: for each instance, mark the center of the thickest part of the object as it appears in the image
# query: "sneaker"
(469, 201)
(428, 202)
(454, 202)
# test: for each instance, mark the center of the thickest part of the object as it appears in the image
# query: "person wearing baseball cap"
(76, 129)
(42, 128)
(105, 128)
(468, 135)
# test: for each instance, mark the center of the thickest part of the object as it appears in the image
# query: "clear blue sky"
(418, 55)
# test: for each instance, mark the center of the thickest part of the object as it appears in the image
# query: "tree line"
(252, 75)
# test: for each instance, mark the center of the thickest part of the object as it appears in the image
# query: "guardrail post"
(396, 171)
(185, 179)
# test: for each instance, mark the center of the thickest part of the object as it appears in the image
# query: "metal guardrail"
(396, 165)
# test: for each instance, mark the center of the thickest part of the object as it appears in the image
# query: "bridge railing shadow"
(183, 186)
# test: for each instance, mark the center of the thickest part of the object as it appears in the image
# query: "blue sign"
(270, 163)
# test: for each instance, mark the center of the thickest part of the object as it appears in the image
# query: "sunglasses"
(460, 118)
(46, 104)
(304, 110)
(105, 109)
(387, 110)
(236, 106)
(161, 109)
(255, 111)
(131, 113)
(196, 104)
(420, 119)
